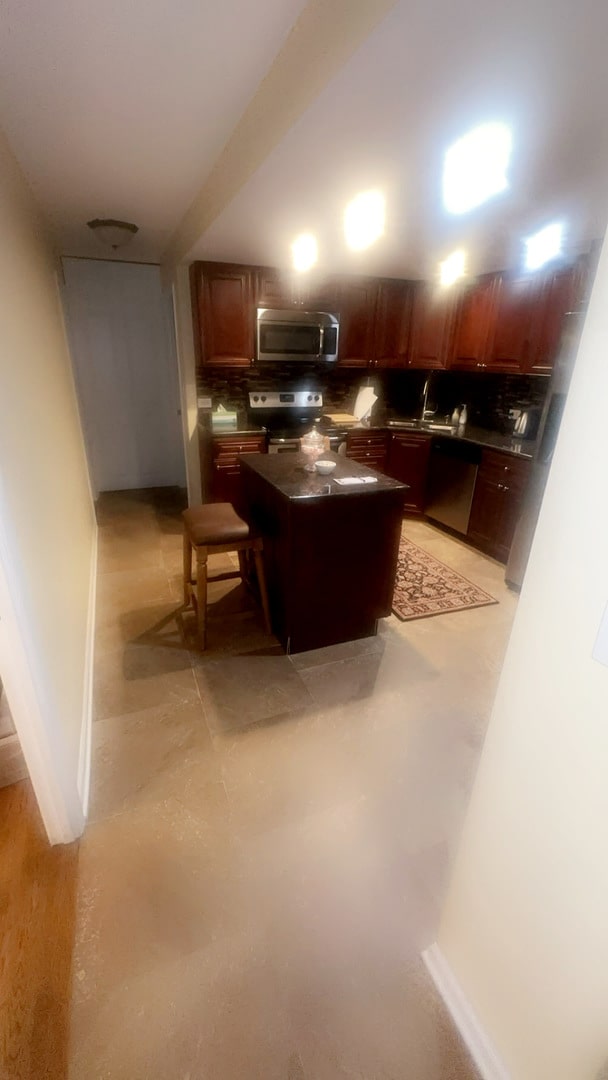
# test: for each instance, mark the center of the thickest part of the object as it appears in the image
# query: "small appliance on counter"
(526, 425)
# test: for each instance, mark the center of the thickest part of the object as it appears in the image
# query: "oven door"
(283, 446)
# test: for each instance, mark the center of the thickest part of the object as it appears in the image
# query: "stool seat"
(211, 529)
(215, 523)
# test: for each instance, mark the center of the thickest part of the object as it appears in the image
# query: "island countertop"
(288, 476)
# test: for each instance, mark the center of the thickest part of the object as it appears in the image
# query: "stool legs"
(243, 567)
(196, 593)
(187, 568)
(259, 569)
(201, 595)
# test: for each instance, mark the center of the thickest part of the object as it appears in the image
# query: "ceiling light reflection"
(304, 252)
(475, 167)
(452, 268)
(543, 246)
(364, 219)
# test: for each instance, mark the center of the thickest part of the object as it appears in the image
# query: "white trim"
(476, 1039)
(84, 756)
(186, 367)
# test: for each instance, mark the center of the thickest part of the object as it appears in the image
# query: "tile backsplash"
(488, 396)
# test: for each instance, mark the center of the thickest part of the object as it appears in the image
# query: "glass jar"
(314, 445)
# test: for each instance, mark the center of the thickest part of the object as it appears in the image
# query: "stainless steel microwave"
(297, 335)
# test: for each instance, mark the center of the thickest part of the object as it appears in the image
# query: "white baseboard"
(84, 757)
(464, 1016)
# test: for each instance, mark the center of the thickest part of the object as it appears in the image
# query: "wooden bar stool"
(210, 530)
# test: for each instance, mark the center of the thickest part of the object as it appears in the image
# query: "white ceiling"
(121, 108)
(419, 82)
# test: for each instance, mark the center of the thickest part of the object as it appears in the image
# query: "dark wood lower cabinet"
(368, 449)
(408, 461)
(497, 502)
(225, 478)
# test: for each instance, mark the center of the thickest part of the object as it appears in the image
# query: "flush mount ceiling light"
(543, 246)
(364, 219)
(304, 252)
(452, 268)
(475, 167)
(112, 233)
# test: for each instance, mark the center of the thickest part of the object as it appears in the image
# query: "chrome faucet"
(427, 413)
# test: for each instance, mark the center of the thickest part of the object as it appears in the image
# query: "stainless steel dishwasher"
(451, 483)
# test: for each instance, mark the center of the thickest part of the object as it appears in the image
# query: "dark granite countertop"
(286, 473)
(494, 440)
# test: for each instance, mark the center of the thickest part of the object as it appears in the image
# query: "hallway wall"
(524, 929)
(47, 523)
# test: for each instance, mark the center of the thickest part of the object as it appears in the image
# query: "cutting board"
(341, 419)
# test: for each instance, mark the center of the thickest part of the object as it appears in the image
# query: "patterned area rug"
(425, 586)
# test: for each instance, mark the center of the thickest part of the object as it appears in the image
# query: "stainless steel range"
(286, 414)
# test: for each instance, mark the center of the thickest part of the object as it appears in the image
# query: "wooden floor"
(37, 906)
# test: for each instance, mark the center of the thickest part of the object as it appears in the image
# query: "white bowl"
(325, 467)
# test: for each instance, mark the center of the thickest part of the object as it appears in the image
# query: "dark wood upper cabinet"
(473, 324)
(431, 326)
(393, 324)
(223, 313)
(356, 303)
(559, 292)
(273, 288)
(498, 323)
(513, 330)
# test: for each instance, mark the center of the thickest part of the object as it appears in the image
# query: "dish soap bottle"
(456, 417)
(462, 420)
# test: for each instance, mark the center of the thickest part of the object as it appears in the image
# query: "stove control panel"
(279, 399)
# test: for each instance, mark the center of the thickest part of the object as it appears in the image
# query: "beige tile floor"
(270, 837)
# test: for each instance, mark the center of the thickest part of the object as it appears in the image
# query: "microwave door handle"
(321, 341)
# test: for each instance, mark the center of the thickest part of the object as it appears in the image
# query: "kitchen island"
(330, 551)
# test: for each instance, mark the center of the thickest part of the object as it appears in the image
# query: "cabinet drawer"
(374, 459)
(374, 441)
(232, 446)
(504, 468)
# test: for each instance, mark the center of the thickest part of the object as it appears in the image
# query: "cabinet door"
(475, 312)
(223, 313)
(226, 451)
(486, 513)
(431, 326)
(408, 461)
(516, 307)
(497, 502)
(558, 294)
(273, 288)
(393, 318)
(357, 306)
